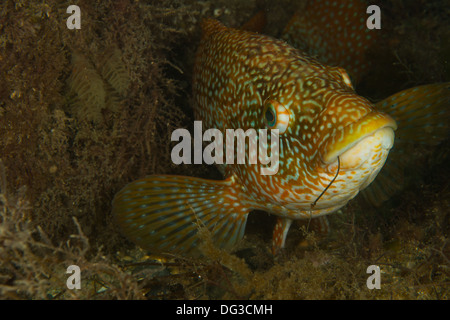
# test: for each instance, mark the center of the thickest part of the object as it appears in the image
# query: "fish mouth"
(351, 135)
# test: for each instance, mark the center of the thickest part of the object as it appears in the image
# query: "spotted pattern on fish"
(333, 144)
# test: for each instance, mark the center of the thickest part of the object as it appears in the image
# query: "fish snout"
(369, 137)
(373, 148)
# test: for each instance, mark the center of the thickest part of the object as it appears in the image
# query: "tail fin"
(163, 213)
(211, 26)
(423, 117)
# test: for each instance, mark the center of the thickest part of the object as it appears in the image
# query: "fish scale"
(333, 142)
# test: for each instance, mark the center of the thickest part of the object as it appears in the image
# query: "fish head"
(333, 142)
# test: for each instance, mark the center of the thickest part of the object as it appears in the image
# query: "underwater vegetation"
(84, 112)
(80, 113)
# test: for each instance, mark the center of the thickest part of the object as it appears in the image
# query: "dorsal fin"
(255, 24)
(210, 26)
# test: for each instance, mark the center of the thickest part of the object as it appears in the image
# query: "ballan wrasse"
(332, 143)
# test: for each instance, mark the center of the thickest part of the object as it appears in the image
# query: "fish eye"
(276, 116)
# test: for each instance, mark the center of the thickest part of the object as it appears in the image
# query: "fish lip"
(353, 133)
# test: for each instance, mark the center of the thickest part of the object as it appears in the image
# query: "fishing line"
(331, 182)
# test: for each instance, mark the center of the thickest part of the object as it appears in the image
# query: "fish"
(314, 31)
(422, 114)
(332, 143)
